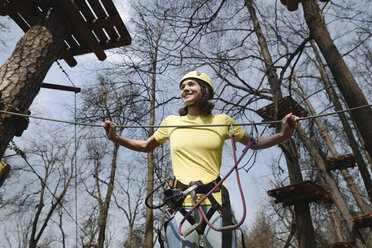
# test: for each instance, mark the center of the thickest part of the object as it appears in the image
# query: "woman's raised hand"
(110, 129)
(288, 125)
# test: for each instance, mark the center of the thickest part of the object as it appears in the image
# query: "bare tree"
(145, 62)
(130, 199)
(261, 234)
(48, 166)
(107, 101)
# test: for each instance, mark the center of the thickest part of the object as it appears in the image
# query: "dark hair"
(204, 104)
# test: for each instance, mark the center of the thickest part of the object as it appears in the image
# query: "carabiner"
(231, 133)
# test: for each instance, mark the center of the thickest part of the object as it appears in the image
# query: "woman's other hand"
(110, 129)
(288, 125)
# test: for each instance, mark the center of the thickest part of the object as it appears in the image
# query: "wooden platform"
(362, 221)
(341, 162)
(305, 191)
(340, 245)
(286, 105)
(292, 5)
(97, 25)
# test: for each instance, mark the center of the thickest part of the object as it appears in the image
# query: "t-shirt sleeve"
(238, 131)
(162, 133)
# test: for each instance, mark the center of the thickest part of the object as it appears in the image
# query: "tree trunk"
(22, 74)
(339, 237)
(149, 229)
(130, 234)
(304, 226)
(149, 234)
(336, 224)
(104, 207)
(353, 95)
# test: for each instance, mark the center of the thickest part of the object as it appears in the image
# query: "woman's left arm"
(288, 124)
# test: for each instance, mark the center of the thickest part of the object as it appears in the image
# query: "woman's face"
(191, 92)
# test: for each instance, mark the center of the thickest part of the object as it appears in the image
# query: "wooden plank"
(285, 106)
(102, 23)
(119, 42)
(77, 19)
(28, 11)
(72, 42)
(298, 192)
(20, 22)
(79, 39)
(308, 197)
(70, 60)
(100, 13)
(85, 10)
(112, 11)
(60, 87)
(362, 221)
(341, 162)
(7, 8)
(340, 245)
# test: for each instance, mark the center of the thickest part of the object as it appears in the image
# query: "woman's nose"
(185, 88)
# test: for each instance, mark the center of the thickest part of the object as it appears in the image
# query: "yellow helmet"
(201, 76)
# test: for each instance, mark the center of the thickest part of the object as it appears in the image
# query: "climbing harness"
(172, 196)
(176, 192)
(197, 204)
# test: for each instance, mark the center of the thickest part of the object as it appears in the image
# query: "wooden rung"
(341, 162)
(340, 245)
(286, 105)
(304, 191)
(362, 221)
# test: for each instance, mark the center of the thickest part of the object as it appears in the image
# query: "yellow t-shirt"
(196, 152)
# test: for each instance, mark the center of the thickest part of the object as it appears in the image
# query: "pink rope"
(197, 204)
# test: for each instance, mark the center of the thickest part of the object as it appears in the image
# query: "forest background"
(102, 187)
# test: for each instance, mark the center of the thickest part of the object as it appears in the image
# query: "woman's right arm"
(136, 145)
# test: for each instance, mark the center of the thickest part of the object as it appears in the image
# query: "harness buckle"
(169, 212)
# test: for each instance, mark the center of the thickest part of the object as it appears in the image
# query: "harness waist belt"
(204, 189)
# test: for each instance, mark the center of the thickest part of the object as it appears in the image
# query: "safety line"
(185, 126)
(75, 152)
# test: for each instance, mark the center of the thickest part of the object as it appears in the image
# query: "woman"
(196, 154)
